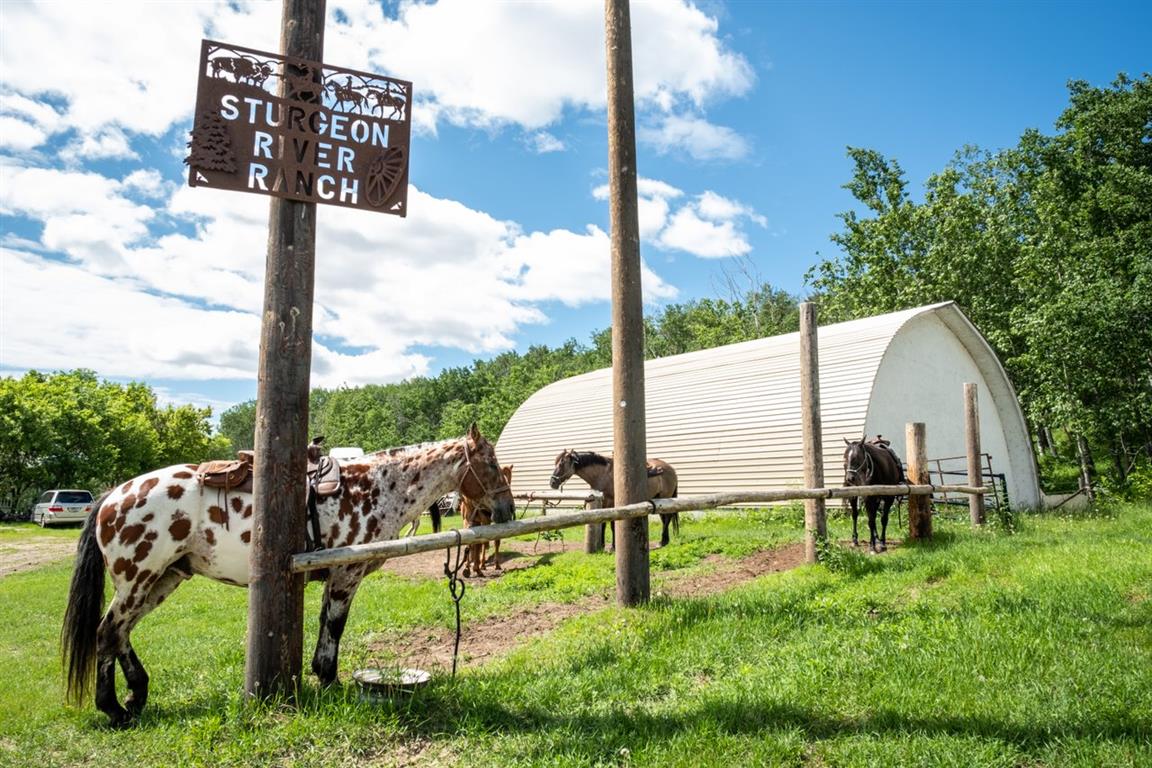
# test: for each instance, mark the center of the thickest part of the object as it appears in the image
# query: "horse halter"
(864, 469)
(555, 480)
(488, 493)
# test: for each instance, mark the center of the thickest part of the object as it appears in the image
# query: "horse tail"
(85, 604)
(675, 515)
(434, 513)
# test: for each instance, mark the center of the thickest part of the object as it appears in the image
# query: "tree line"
(1046, 246)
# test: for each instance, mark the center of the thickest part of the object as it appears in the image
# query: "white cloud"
(107, 325)
(707, 239)
(543, 142)
(716, 208)
(707, 226)
(20, 135)
(107, 144)
(475, 62)
(446, 275)
(148, 183)
(125, 65)
(695, 137)
(573, 268)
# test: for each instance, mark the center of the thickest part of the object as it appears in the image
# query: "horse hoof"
(121, 721)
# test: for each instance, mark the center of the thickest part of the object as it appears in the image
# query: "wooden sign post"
(276, 595)
(303, 132)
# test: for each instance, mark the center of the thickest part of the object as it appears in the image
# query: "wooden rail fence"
(383, 550)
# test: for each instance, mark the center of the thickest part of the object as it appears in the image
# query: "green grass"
(977, 649)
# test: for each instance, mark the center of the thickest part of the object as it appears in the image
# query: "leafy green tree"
(70, 430)
(1048, 248)
(238, 425)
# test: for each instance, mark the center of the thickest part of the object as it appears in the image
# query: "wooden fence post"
(594, 533)
(972, 435)
(815, 522)
(919, 507)
(629, 439)
(275, 641)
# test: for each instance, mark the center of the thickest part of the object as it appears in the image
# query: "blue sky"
(744, 111)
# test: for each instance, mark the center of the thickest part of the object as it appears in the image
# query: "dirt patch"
(30, 553)
(726, 573)
(431, 648)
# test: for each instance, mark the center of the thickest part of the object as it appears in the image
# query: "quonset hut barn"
(729, 418)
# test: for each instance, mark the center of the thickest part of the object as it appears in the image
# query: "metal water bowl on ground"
(382, 684)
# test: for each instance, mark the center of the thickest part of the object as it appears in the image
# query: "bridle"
(862, 472)
(488, 492)
(573, 457)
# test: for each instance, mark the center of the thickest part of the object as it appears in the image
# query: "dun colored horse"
(596, 470)
(871, 463)
(161, 528)
(473, 513)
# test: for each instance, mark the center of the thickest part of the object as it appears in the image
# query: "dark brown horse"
(596, 470)
(871, 463)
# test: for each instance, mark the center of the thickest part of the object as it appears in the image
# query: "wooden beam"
(382, 550)
(594, 532)
(815, 522)
(629, 439)
(972, 435)
(919, 507)
(275, 592)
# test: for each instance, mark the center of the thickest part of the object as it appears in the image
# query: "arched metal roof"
(728, 418)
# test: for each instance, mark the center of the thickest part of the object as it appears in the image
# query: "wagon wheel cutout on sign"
(384, 175)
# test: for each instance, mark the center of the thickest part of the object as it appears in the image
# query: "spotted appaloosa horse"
(161, 528)
(596, 470)
(871, 463)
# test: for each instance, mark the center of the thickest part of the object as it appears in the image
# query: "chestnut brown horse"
(596, 470)
(157, 530)
(871, 463)
(474, 513)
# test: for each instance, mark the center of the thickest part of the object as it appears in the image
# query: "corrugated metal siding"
(725, 418)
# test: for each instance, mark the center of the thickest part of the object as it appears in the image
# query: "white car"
(348, 453)
(62, 506)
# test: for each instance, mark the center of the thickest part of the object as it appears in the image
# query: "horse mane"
(588, 458)
(401, 450)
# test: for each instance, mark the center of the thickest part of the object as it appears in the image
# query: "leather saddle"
(229, 474)
(323, 475)
(236, 474)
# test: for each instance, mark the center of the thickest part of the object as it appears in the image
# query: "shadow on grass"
(578, 732)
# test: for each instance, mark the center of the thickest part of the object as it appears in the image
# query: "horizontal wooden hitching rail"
(383, 550)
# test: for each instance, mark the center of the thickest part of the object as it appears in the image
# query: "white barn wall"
(729, 418)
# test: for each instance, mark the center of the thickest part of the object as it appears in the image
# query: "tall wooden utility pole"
(628, 422)
(815, 522)
(275, 594)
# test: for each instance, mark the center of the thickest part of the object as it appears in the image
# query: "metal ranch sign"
(299, 129)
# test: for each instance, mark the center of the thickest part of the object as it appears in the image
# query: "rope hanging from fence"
(456, 587)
